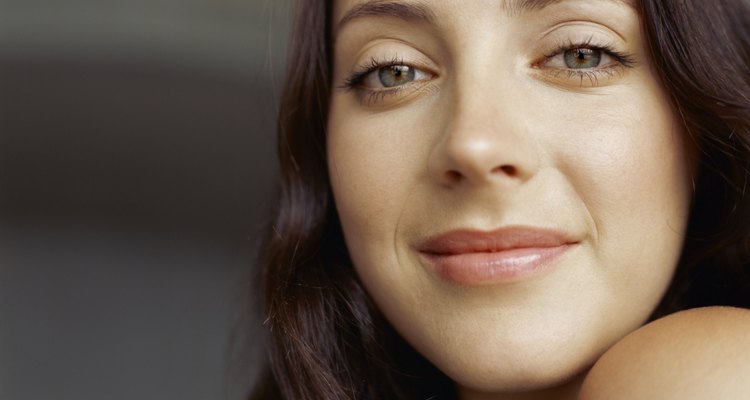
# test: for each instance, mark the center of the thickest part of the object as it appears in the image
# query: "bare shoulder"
(694, 354)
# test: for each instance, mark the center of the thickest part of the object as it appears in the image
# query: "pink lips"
(505, 255)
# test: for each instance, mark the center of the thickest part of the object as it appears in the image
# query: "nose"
(487, 139)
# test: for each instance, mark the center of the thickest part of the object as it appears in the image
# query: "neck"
(566, 391)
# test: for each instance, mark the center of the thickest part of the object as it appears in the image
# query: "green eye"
(384, 77)
(582, 58)
(396, 75)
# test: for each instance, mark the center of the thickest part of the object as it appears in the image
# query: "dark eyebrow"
(411, 11)
(421, 12)
(520, 6)
(515, 7)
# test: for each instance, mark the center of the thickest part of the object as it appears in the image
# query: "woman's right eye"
(384, 77)
(378, 82)
(390, 76)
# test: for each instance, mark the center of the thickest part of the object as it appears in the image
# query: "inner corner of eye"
(538, 64)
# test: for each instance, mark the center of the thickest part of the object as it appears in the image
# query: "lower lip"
(495, 267)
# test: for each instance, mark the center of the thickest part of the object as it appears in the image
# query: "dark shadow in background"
(136, 167)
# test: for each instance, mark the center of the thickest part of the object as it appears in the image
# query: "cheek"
(635, 164)
(630, 172)
(375, 164)
(378, 169)
(374, 167)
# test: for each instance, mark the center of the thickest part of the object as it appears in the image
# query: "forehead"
(346, 11)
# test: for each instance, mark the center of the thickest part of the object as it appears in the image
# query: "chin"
(522, 374)
(534, 350)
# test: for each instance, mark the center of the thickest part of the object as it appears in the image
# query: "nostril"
(453, 176)
(506, 169)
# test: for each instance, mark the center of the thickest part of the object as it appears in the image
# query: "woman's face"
(511, 179)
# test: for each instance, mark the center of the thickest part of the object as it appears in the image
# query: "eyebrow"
(421, 12)
(411, 11)
(514, 7)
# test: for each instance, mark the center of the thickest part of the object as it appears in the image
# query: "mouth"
(473, 257)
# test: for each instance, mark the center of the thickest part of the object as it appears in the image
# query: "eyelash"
(624, 60)
(370, 96)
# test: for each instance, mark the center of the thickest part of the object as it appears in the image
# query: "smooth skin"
(696, 354)
(485, 115)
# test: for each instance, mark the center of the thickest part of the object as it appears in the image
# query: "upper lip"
(463, 241)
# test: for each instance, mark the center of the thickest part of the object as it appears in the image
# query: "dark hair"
(326, 338)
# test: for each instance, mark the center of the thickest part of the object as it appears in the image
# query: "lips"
(505, 255)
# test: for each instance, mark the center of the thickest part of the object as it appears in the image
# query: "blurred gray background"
(136, 171)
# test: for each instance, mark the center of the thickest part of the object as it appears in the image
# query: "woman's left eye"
(585, 57)
(583, 64)
(581, 58)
